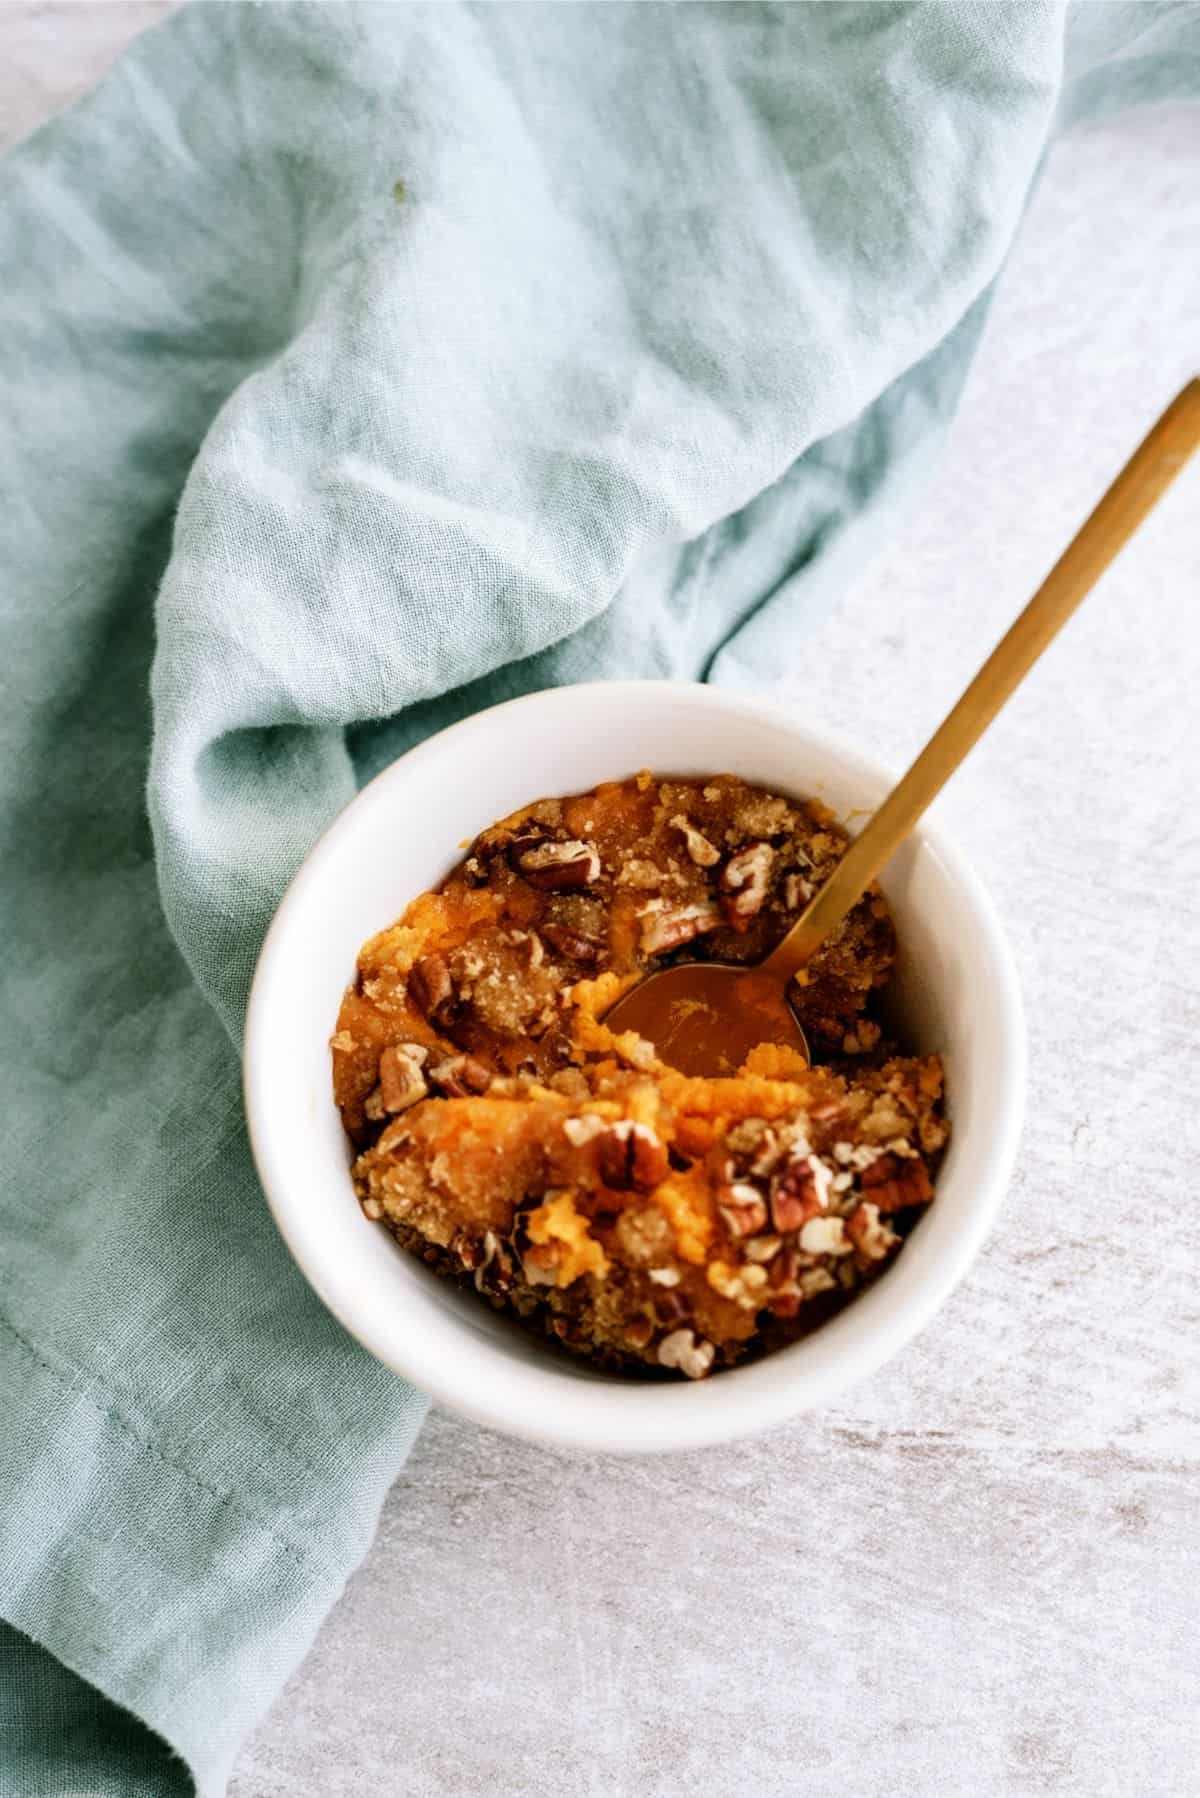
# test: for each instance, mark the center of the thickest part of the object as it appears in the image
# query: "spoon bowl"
(705, 1017)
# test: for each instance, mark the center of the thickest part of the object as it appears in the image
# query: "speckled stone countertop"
(977, 1575)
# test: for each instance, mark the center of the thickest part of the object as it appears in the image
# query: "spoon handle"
(1144, 478)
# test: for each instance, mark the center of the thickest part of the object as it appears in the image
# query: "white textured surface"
(978, 1576)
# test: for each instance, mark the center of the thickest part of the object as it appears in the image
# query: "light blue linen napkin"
(360, 365)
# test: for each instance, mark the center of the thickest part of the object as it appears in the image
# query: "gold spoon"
(705, 1017)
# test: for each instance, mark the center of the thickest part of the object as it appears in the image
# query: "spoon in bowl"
(705, 1017)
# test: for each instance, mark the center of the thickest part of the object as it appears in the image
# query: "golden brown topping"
(762, 815)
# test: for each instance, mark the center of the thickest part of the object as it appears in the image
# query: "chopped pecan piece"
(744, 881)
(401, 1078)
(460, 1075)
(638, 1332)
(893, 1183)
(495, 1271)
(744, 1285)
(702, 852)
(573, 944)
(688, 1352)
(529, 947)
(430, 987)
(559, 867)
(873, 1238)
(743, 1208)
(631, 1156)
(815, 1280)
(753, 1147)
(666, 926)
(582, 1130)
(824, 1236)
(797, 891)
(467, 1248)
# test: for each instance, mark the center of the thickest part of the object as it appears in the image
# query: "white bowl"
(956, 991)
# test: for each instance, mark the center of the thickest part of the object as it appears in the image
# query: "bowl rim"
(611, 1416)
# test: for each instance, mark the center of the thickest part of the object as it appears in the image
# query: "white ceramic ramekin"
(956, 991)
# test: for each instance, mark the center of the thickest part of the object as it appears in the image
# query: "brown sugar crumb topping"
(652, 1222)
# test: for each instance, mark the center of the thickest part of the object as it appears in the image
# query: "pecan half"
(460, 1075)
(559, 867)
(744, 881)
(631, 1156)
(430, 987)
(743, 1208)
(794, 1197)
(573, 944)
(894, 1183)
(667, 926)
(688, 1352)
(702, 852)
(401, 1079)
